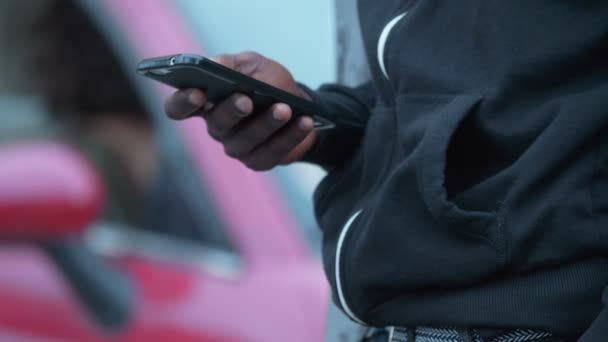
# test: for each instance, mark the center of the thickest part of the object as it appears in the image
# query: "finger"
(304, 146)
(204, 110)
(245, 62)
(226, 60)
(255, 131)
(227, 114)
(273, 152)
(183, 103)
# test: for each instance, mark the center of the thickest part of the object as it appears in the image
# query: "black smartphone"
(219, 82)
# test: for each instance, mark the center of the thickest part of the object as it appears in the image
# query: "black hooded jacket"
(468, 181)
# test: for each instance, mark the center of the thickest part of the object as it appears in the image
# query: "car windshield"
(302, 38)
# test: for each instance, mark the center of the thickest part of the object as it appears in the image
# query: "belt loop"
(400, 335)
(411, 335)
(464, 335)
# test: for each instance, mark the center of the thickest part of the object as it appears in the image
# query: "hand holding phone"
(253, 122)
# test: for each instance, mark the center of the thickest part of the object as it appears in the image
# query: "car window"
(23, 113)
(171, 202)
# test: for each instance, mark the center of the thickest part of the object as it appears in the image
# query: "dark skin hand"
(260, 140)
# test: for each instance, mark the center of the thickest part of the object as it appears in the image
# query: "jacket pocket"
(427, 128)
(411, 236)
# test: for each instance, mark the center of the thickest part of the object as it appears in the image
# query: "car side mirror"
(48, 194)
(47, 191)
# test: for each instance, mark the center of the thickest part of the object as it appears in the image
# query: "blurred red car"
(254, 275)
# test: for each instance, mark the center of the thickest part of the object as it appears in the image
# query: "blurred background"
(117, 224)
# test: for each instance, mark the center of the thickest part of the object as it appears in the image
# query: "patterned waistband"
(427, 334)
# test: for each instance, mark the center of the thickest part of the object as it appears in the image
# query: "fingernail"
(280, 115)
(277, 115)
(306, 123)
(243, 105)
(196, 98)
(208, 106)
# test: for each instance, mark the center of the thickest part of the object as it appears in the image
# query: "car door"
(280, 276)
(242, 271)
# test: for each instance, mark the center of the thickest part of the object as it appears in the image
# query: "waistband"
(563, 300)
(430, 334)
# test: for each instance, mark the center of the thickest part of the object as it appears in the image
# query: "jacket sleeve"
(598, 332)
(351, 109)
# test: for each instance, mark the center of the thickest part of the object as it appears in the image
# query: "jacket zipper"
(382, 42)
(338, 268)
(345, 229)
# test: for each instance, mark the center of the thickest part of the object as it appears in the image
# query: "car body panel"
(278, 293)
